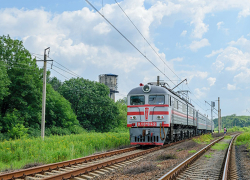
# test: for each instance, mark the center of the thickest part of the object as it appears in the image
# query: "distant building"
(110, 80)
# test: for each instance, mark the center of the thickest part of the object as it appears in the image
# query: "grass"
(192, 151)
(16, 154)
(208, 155)
(227, 137)
(244, 138)
(203, 139)
(220, 146)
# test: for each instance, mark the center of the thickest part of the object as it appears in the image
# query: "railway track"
(83, 168)
(215, 164)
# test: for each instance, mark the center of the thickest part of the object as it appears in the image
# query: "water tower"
(110, 80)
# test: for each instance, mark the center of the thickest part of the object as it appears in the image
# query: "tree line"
(72, 106)
(233, 120)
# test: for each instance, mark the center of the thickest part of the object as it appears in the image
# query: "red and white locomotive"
(157, 115)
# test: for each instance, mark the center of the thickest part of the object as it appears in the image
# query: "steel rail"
(175, 171)
(48, 167)
(82, 170)
(87, 169)
(227, 162)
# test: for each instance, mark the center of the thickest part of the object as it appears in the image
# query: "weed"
(192, 151)
(179, 149)
(208, 155)
(220, 146)
(227, 137)
(16, 154)
(206, 138)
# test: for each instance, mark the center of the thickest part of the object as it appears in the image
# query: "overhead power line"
(146, 40)
(67, 69)
(128, 40)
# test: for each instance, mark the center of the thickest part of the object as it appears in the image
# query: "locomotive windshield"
(137, 100)
(156, 99)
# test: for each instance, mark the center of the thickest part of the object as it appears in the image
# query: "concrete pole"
(44, 95)
(211, 114)
(219, 115)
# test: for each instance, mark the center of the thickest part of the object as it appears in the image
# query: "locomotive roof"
(154, 90)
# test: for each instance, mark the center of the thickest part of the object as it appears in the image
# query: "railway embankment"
(156, 164)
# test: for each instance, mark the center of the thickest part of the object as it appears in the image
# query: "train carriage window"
(184, 108)
(175, 104)
(156, 99)
(137, 100)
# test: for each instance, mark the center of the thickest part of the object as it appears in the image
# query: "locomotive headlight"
(146, 88)
(132, 117)
(160, 117)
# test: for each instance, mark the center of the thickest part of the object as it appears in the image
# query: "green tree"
(58, 110)
(25, 88)
(91, 104)
(55, 83)
(122, 117)
(4, 79)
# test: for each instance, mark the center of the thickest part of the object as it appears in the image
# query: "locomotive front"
(148, 115)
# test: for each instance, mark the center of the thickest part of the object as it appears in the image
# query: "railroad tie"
(86, 177)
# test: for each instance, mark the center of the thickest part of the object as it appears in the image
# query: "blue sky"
(207, 42)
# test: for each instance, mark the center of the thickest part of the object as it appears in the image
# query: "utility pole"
(44, 92)
(212, 108)
(219, 127)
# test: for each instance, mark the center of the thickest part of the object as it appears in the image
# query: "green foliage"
(20, 152)
(244, 138)
(205, 138)
(220, 146)
(208, 155)
(192, 151)
(122, 116)
(233, 120)
(58, 110)
(55, 83)
(4, 79)
(18, 131)
(25, 88)
(91, 104)
(21, 95)
(227, 137)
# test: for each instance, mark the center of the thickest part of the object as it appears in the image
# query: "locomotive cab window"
(156, 99)
(137, 100)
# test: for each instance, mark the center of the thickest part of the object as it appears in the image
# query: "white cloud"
(201, 93)
(184, 33)
(178, 59)
(219, 66)
(243, 76)
(244, 13)
(242, 42)
(231, 87)
(219, 24)
(232, 59)
(211, 81)
(102, 28)
(193, 74)
(214, 53)
(195, 45)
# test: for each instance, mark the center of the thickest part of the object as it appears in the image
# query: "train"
(157, 115)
